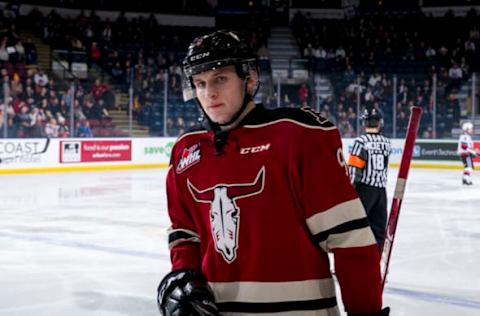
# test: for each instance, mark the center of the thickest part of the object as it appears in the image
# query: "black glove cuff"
(384, 312)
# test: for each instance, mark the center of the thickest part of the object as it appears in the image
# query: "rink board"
(74, 154)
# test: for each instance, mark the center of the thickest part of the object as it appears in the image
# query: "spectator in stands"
(77, 111)
(171, 129)
(91, 109)
(38, 129)
(430, 53)
(2, 118)
(180, 125)
(99, 89)
(40, 78)
(63, 130)
(67, 98)
(39, 114)
(55, 106)
(455, 73)
(76, 44)
(340, 54)
(20, 51)
(95, 53)
(107, 32)
(117, 71)
(175, 90)
(443, 56)
(51, 128)
(303, 93)
(402, 121)
(4, 56)
(31, 56)
(83, 129)
(428, 132)
(25, 121)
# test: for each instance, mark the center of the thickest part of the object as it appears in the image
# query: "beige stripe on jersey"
(264, 292)
(339, 214)
(334, 311)
(355, 238)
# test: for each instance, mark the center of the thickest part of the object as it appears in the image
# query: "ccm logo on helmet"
(255, 149)
(199, 56)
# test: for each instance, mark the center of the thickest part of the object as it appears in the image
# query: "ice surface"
(95, 243)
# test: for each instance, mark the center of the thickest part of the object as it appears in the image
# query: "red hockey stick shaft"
(413, 124)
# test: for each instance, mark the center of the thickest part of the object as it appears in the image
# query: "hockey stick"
(413, 124)
(13, 158)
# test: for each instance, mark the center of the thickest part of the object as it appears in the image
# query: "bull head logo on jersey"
(224, 212)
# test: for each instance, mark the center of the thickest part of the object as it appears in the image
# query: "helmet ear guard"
(188, 89)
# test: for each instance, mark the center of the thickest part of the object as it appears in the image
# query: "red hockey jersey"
(258, 213)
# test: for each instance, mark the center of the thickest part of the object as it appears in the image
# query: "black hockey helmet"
(211, 51)
(371, 117)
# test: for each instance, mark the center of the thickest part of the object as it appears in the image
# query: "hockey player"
(256, 199)
(466, 152)
(368, 168)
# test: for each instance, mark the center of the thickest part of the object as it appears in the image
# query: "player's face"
(220, 92)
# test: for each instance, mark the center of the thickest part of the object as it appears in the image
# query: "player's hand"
(185, 292)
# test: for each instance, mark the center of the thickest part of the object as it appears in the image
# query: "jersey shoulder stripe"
(304, 116)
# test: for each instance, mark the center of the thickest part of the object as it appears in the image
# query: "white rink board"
(26, 155)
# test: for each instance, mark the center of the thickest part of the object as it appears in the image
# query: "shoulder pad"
(304, 115)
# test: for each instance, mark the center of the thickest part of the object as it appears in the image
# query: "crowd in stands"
(360, 56)
(138, 53)
(37, 106)
(184, 7)
(34, 104)
(366, 51)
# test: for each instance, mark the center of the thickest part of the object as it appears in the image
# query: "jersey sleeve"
(357, 160)
(337, 221)
(183, 237)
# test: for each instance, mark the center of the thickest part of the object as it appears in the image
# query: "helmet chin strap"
(220, 136)
(246, 99)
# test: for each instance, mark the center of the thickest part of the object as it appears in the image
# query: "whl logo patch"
(190, 157)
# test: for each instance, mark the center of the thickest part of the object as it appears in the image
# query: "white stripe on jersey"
(268, 292)
(324, 312)
(341, 214)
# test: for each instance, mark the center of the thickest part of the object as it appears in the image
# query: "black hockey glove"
(383, 312)
(185, 293)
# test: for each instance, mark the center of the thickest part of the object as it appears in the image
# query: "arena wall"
(76, 154)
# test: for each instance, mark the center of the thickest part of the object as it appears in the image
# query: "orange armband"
(356, 162)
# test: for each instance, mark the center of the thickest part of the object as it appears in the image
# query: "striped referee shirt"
(368, 161)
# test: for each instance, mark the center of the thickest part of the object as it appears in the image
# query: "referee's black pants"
(374, 201)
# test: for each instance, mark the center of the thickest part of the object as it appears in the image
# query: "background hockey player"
(256, 199)
(466, 152)
(368, 167)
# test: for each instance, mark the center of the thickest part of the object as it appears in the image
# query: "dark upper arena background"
(83, 68)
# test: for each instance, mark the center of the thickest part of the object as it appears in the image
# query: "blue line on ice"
(87, 246)
(432, 297)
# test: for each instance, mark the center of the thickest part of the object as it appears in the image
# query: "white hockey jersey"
(465, 145)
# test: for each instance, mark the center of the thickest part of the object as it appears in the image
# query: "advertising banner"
(476, 145)
(27, 152)
(42, 154)
(153, 150)
(95, 151)
(434, 150)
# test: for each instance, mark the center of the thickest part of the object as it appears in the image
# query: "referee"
(368, 168)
